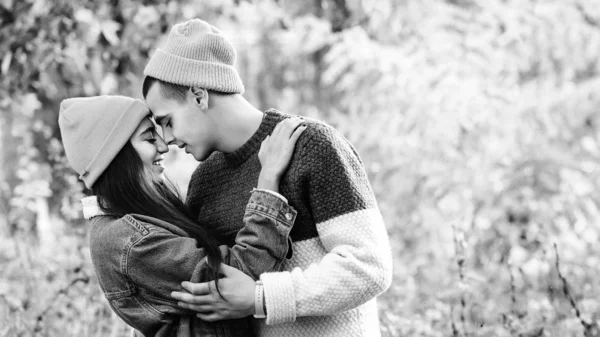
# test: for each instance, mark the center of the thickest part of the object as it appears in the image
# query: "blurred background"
(477, 122)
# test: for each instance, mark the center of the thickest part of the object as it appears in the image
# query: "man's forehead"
(158, 117)
(158, 108)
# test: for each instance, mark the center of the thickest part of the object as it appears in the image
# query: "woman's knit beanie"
(95, 129)
(196, 54)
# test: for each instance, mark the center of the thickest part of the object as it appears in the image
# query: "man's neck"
(237, 123)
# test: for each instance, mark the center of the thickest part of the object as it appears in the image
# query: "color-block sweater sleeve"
(358, 265)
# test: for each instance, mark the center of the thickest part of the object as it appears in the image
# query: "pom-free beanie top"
(95, 129)
(196, 54)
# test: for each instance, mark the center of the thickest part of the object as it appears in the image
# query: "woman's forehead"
(144, 125)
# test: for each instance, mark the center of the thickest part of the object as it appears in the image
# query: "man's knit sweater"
(341, 255)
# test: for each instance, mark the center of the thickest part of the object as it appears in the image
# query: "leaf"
(6, 63)
(318, 33)
(109, 30)
(39, 8)
(146, 15)
(30, 104)
(109, 84)
(90, 27)
(84, 15)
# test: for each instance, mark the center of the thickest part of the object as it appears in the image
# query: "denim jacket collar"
(91, 207)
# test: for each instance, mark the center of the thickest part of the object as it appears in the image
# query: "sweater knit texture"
(341, 255)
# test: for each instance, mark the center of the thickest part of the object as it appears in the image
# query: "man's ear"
(200, 97)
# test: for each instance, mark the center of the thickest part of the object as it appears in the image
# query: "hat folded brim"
(182, 71)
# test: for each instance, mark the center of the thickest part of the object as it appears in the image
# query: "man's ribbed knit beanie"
(95, 129)
(196, 54)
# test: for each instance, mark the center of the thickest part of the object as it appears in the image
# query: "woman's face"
(150, 147)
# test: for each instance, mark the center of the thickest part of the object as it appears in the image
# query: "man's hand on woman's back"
(237, 300)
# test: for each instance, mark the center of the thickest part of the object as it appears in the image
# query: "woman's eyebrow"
(149, 129)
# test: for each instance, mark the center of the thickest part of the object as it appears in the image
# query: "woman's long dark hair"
(126, 187)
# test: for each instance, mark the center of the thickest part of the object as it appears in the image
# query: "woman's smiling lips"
(159, 164)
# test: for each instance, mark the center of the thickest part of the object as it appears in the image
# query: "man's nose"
(171, 140)
(168, 136)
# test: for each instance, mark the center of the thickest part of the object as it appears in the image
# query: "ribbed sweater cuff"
(279, 297)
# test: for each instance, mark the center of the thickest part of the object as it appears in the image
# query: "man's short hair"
(176, 92)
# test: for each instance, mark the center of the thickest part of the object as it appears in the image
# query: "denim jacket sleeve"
(159, 261)
(258, 242)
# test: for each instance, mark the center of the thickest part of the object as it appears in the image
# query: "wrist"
(268, 181)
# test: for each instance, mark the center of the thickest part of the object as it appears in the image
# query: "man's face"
(183, 123)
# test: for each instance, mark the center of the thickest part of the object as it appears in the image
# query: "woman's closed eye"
(152, 137)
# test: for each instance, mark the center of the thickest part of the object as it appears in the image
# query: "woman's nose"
(161, 146)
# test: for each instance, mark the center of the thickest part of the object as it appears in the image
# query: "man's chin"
(201, 156)
(197, 156)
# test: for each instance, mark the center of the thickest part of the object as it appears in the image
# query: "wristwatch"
(259, 300)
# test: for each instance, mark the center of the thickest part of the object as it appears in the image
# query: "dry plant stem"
(526, 282)
(455, 332)
(460, 260)
(588, 328)
(587, 17)
(513, 297)
(11, 307)
(63, 291)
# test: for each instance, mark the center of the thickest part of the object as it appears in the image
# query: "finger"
(293, 125)
(297, 133)
(278, 128)
(192, 299)
(287, 127)
(197, 288)
(284, 126)
(197, 308)
(228, 270)
(211, 317)
(293, 122)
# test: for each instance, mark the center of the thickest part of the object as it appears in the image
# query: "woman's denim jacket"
(140, 260)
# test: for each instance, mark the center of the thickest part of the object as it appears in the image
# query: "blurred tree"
(481, 112)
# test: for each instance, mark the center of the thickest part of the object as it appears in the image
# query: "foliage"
(477, 123)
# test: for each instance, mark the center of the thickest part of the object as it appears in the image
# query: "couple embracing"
(280, 234)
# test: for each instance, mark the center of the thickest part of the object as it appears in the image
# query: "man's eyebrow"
(159, 120)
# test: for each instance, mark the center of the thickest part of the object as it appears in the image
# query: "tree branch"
(63, 291)
(590, 329)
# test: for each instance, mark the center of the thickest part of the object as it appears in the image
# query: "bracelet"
(259, 309)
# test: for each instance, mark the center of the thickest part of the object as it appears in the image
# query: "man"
(340, 258)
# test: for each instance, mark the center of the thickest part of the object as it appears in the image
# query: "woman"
(143, 241)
